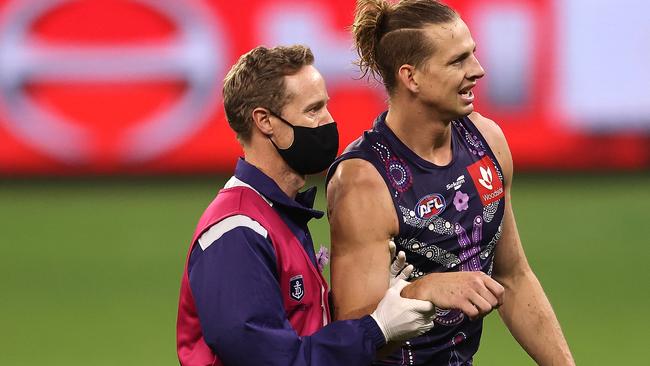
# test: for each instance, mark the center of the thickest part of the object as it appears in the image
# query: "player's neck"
(425, 135)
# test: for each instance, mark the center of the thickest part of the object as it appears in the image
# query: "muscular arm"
(526, 310)
(362, 220)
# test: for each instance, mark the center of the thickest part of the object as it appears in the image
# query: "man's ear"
(261, 119)
(405, 76)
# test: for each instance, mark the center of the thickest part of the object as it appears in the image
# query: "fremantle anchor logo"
(296, 288)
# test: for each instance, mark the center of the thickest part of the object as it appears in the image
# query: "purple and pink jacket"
(251, 292)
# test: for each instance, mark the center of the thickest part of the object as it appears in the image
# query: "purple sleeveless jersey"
(449, 220)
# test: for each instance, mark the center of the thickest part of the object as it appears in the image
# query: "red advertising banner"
(134, 86)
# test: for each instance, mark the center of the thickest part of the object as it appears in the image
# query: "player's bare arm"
(362, 219)
(473, 293)
(526, 310)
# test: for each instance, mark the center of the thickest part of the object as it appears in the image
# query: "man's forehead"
(450, 37)
(307, 76)
(306, 86)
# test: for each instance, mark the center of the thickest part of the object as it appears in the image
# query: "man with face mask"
(252, 292)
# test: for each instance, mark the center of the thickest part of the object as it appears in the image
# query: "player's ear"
(262, 120)
(406, 77)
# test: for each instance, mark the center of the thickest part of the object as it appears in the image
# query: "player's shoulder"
(358, 195)
(494, 136)
(355, 173)
(490, 130)
(356, 179)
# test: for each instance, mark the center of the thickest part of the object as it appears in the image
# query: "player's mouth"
(466, 94)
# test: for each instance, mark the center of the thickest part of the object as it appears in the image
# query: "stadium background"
(112, 141)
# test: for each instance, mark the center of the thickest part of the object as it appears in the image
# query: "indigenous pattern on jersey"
(449, 220)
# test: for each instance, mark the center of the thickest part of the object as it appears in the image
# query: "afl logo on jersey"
(430, 205)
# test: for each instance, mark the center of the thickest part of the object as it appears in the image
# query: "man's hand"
(474, 293)
(399, 318)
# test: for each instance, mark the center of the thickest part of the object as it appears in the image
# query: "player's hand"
(400, 318)
(399, 269)
(474, 293)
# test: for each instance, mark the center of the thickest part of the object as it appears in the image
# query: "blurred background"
(113, 140)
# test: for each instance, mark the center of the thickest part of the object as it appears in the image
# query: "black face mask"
(313, 149)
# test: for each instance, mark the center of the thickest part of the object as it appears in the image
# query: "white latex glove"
(399, 269)
(400, 318)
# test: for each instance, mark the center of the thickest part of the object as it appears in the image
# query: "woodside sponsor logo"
(486, 181)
